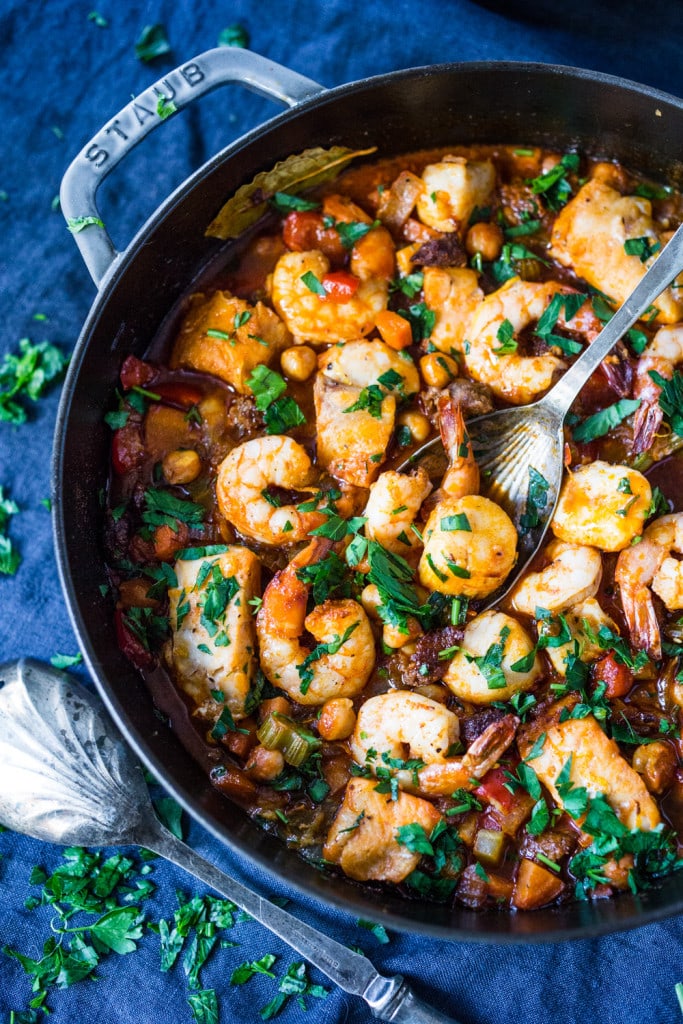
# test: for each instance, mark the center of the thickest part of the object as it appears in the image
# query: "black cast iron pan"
(425, 107)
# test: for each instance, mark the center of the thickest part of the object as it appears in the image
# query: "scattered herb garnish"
(643, 247)
(319, 651)
(27, 374)
(671, 399)
(234, 35)
(78, 224)
(602, 422)
(10, 559)
(536, 501)
(280, 411)
(152, 43)
(553, 184)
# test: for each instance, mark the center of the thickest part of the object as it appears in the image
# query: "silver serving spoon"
(508, 442)
(66, 776)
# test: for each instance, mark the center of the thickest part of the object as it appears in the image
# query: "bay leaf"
(298, 172)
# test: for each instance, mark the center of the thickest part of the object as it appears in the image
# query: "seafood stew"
(316, 614)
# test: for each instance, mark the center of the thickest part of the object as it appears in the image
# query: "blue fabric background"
(62, 77)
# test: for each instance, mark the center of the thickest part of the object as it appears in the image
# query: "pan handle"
(146, 112)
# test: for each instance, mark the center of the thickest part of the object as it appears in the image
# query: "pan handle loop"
(146, 112)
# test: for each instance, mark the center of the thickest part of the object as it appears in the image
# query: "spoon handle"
(390, 999)
(658, 277)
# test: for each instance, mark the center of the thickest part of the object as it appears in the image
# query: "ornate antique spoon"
(66, 776)
(510, 442)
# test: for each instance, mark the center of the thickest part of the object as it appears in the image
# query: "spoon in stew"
(520, 450)
(66, 776)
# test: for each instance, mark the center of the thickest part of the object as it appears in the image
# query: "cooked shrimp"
(497, 642)
(573, 575)
(453, 294)
(344, 657)
(661, 356)
(516, 378)
(589, 236)
(355, 410)
(316, 318)
(401, 725)
(247, 472)
(602, 505)
(212, 645)
(362, 838)
(394, 502)
(584, 621)
(597, 765)
(452, 189)
(462, 476)
(470, 546)
(650, 566)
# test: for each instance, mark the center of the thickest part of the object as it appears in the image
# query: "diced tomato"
(178, 394)
(305, 229)
(127, 449)
(340, 285)
(617, 678)
(129, 644)
(135, 373)
(492, 790)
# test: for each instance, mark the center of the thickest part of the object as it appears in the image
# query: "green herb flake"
(284, 203)
(98, 19)
(602, 422)
(456, 522)
(643, 247)
(78, 224)
(204, 1006)
(319, 651)
(152, 43)
(165, 108)
(234, 35)
(421, 320)
(553, 184)
(506, 336)
(378, 930)
(313, 284)
(63, 661)
(489, 664)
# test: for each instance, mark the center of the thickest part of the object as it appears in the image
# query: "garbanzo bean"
(417, 424)
(264, 765)
(181, 466)
(437, 369)
(486, 239)
(337, 719)
(298, 362)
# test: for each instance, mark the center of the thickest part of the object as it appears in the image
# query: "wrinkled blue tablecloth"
(63, 75)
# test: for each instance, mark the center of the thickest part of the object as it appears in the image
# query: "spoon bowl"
(66, 776)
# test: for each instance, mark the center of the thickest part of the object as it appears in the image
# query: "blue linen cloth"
(63, 76)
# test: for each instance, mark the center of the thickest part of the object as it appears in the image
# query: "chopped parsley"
(671, 399)
(63, 661)
(489, 664)
(328, 578)
(26, 375)
(571, 302)
(10, 559)
(351, 232)
(285, 203)
(165, 108)
(162, 508)
(553, 185)
(602, 422)
(78, 224)
(369, 400)
(152, 43)
(506, 336)
(234, 35)
(313, 284)
(378, 930)
(410, 285)
(536, 501)
(280, 412)
(643, 247)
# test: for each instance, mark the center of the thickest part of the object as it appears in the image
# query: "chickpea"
(279, 704)
(181, 466)
(371, 600)
(264, 765)
(298, 362)
(437, 369)
(485, 238)
(417, 423)
(337, 719)
(656, 762)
